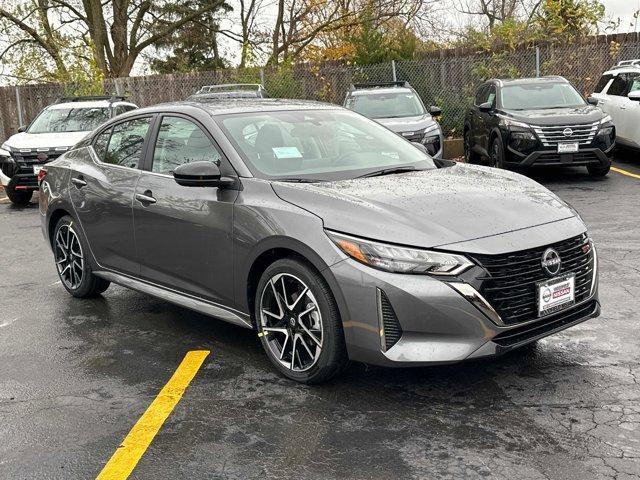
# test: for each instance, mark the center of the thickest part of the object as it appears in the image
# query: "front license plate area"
(556, 294)
(568, 147)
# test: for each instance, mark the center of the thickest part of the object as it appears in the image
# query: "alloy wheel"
(291, 322)
(69, 257)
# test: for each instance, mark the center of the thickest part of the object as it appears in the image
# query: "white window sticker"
(286, 152)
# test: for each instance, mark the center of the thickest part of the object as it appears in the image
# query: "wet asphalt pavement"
(76, 375)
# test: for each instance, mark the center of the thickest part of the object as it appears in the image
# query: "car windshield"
(538, 96)
(318, 145)
(69, 120)
(386, 105)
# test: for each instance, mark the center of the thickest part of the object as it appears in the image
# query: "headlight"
(509, 123)
(523, 136)
(605, 132)
(393, 258)
(432, 128)
(5, 147)
(606, 119)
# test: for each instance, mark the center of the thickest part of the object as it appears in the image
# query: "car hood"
(429, 208)
(558, 116)
(407, 124)
(45, 140)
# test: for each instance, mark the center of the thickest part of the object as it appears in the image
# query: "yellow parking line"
(624, 172)
(128, 454)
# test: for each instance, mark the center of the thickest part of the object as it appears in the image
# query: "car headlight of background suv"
(398, 259)
(431, 138)
(606, 127)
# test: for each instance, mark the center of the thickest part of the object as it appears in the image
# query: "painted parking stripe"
(128, 454)
(624, 172)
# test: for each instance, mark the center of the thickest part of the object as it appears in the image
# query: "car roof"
(88, 104)
(245, 105)
(529, 80)
(624, 69)
(380, 90)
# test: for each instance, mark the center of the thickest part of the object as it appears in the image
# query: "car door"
(102, 192)
(184, 234)
(630, 112)
(615, 103)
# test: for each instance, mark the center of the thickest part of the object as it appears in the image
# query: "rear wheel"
(19, 198)
(73, 268)
(598, 171)
(298, 322)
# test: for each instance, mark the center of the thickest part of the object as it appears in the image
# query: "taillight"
(41, 174)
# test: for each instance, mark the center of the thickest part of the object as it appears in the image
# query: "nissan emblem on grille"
(42, 157)
(551, 261)
(567, 132)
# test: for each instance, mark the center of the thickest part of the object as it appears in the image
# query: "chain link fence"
(448, 79)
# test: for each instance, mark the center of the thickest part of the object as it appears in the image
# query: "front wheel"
(496, 155)
(19, 198)
(598, 171)
(298, 322)
(71, 262)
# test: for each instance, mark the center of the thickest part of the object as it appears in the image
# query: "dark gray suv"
(328, 234)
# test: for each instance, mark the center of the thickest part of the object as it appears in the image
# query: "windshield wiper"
(388, 171)
(297, 180)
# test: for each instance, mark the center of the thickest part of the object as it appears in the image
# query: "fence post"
(537, 61)
(262, 76)
(393, 70)
(19, 107)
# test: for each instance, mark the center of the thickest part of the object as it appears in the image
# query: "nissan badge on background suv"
(56, 128)
(537, 122)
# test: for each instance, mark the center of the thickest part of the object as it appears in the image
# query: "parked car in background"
(537, 122)
(618, 94)
(56, 128)
(229, 90)
(325, 232)
(397, 106)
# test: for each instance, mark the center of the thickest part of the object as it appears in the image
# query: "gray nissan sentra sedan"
(328, 234)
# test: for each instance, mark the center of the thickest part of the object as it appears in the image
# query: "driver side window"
(181, 141)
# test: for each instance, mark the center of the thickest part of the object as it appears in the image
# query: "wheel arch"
(276, 249)
(54, 218)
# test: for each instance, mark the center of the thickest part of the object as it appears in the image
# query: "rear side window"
(619, 85)
(126, 142)
(604, 79)
(101, 142)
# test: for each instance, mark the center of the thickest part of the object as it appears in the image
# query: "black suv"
(537, 122)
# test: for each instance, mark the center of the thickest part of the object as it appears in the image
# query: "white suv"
(56, 128)
(618, 94)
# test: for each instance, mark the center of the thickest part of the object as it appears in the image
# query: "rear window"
(604, 79)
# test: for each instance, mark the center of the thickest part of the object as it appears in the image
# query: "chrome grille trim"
(550, 136)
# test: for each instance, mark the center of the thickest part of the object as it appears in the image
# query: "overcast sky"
(623, 9)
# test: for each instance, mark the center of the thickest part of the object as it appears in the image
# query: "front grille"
(391, 331)
(549, 325)
(30, 157)
(510, 283)
(550, 136)
(552, 158)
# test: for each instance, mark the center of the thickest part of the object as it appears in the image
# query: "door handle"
(79, 182)
(145, 198)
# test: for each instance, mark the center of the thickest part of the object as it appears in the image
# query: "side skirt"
(193, 303)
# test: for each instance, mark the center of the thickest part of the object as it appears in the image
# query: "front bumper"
(435, 323)
(550, 157)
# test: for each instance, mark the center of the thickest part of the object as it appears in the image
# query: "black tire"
(20, 199)
(469, 155)
(496, 154)
(332, 357)
(598, 171)
(76, 276)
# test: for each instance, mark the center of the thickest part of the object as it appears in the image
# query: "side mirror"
(435, 110)
(22, 128)
(420, 147)
(635, 96)
(201, 174)
(486, 107)
(592, 101)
